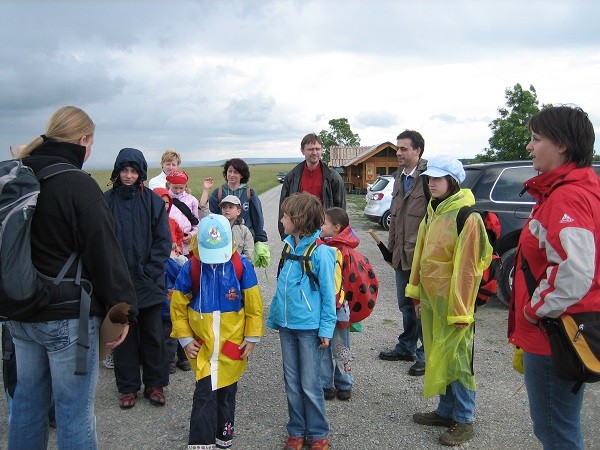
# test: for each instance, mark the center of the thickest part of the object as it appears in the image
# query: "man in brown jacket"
(409, 205)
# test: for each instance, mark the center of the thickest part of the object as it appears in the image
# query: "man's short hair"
(416, 139)
(309, 139)
(569, 126)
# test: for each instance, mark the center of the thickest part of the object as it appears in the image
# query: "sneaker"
(320, 444)
(109, 362)
(184, 365)
(417, 369)
(329, 393)
(432, 419)
(294, 443)
(344, 395)
(457, 434)
(172, 368)
(393, 355)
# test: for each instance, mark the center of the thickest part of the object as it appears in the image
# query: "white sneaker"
(108, 362)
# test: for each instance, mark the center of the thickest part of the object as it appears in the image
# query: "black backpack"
(24, 290)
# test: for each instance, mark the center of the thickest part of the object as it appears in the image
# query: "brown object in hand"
(387, 255)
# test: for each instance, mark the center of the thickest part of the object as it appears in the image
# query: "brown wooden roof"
(348, 156)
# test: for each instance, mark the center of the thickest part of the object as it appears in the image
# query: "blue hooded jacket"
(295, 305)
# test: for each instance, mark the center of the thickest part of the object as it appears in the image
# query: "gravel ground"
(379, 415)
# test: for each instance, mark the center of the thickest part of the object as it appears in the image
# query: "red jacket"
(561, 244)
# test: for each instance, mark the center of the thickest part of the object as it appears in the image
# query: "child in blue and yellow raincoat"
(218, 327)
(445, 276)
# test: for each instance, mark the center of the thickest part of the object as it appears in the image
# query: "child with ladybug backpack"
(360, 287)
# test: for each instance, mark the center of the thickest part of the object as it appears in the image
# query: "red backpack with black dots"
(360, 283)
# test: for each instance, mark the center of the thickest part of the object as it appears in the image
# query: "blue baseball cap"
(442, 165)
(214, 239)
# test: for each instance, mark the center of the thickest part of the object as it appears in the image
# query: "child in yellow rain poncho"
(216, 310)
(444, 279)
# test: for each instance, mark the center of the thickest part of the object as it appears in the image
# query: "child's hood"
(131, 157)
(161, 192)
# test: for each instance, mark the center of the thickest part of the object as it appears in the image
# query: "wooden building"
(360, 166)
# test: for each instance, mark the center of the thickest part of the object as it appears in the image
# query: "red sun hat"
(177, 177)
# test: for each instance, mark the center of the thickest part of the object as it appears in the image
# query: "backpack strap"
(55, 169)
(85, 300)
(461, 217)
(196, 270)
(304, 259)
(219, 194)
(186, 211)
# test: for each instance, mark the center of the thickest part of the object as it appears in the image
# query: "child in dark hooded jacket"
(142, 229)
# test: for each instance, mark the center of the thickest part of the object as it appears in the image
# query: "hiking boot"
(457, 434)
(344, 395)
(417, 369)
(329, 393)
(393, 355)
(320, 444)
(156, 395)
(294, 443)
(432, 419)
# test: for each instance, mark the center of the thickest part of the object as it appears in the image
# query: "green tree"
(510, 134)
(339, 134)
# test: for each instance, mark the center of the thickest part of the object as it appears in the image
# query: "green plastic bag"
(356, 327)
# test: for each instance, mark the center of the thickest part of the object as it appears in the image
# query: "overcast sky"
(220, 79)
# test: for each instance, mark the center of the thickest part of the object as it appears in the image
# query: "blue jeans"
(408, 340)
(555, 411)
(302, 375)
(46, 356)
(457, 403)
(338, 375)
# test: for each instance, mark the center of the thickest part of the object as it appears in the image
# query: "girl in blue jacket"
(303, 311)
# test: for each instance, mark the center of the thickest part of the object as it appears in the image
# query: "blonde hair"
(305, 211)
(68, 124)
(169, 155)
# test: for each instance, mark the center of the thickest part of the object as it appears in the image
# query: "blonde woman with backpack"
(71, 214)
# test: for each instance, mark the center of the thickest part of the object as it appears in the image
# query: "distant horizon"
(249, 161)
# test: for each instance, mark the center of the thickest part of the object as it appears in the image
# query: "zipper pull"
(25, 213)
(579, 331)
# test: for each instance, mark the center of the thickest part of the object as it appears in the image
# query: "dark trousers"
(175, 351)
(213, 414)
(144, 344)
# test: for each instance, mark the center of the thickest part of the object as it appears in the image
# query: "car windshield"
(380, 184)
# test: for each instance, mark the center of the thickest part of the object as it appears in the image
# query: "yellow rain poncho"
(445, 276)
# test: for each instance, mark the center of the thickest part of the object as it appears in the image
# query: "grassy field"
(262, 176)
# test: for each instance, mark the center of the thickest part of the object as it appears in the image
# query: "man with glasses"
(314, 177)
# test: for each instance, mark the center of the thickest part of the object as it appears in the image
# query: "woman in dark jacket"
(142, 229)
(70, 215)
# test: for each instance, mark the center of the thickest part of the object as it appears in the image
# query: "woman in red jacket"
(561, 247)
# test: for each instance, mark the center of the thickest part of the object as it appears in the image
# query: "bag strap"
(186, 211)
(55, 169)
(530, 282)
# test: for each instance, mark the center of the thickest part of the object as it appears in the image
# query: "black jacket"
(142, 229)
(334, 193)
(71, 215)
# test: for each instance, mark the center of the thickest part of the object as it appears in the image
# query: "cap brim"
(435, 172)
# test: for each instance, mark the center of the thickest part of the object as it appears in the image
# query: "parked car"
(379, 199)
(497, 187)
(281, 176)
